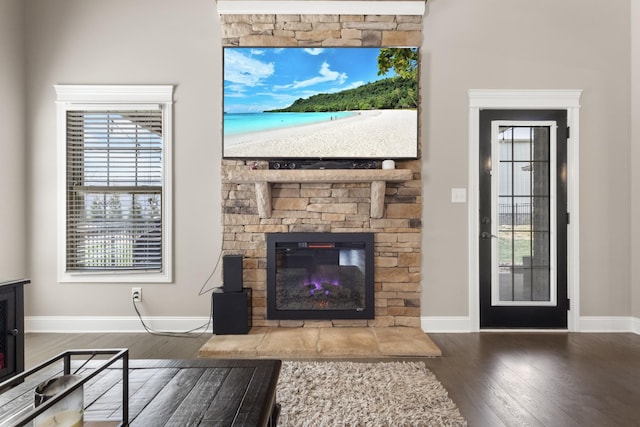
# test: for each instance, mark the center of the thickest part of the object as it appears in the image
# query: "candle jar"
(388, 164)
(69, 411)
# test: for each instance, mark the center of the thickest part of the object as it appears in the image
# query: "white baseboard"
(86, 324)
(429, 324)
(446, 325)
(586, 324)
(635, 325)
(609, 324)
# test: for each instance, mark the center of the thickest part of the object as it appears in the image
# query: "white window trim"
(106, 96)
(524, 99)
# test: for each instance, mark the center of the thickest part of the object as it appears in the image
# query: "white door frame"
(505, 99)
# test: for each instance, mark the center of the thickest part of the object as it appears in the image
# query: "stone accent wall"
(329, 207)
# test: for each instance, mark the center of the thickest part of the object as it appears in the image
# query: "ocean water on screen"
(255, 122)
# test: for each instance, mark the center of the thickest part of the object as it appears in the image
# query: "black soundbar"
(323, 164)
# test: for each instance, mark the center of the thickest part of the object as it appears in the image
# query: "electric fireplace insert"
(320, 276)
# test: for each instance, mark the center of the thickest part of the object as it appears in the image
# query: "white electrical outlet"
(136, 294)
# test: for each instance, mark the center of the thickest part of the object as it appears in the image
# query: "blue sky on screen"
(259, 79)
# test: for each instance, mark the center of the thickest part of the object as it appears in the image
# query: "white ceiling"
(313, 7)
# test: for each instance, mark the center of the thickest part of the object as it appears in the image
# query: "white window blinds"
(114, 190)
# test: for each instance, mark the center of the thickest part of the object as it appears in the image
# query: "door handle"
(487, 235)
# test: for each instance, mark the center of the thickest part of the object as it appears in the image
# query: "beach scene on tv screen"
(320, 102)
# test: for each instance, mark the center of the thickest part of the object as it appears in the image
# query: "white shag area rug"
(363, 394)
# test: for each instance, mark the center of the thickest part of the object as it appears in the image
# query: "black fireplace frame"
(367, 312)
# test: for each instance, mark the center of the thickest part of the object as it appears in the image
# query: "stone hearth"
(318, 343)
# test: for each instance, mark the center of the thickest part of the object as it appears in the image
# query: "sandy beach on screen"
(367, 134)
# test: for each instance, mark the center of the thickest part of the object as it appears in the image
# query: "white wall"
(13, 174)
(520, 44)
(128, 42)
(635, 159)
(513, 44)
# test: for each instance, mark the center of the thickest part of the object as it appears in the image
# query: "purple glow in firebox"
(318, 282)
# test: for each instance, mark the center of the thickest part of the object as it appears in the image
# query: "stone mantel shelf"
(264, 178)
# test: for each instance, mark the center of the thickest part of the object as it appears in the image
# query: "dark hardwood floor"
(542, 379)
(39, 347)
(496, 379)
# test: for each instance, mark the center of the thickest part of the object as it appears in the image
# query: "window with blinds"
(115, 186)
(114, 190)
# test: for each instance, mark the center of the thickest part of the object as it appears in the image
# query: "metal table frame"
(117, 354)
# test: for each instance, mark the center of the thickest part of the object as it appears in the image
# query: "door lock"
(487, 235)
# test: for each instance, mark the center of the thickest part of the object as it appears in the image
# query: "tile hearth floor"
(337, 342)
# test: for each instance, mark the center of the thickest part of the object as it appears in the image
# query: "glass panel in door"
(523, 218)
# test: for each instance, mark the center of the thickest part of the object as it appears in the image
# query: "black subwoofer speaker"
(232, 273)
(231, 312)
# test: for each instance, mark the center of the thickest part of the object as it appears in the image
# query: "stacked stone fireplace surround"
(328, 207)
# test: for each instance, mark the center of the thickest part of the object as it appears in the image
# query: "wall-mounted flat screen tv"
(320, 103)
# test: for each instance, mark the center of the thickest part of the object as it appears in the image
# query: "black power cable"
(192, 332)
